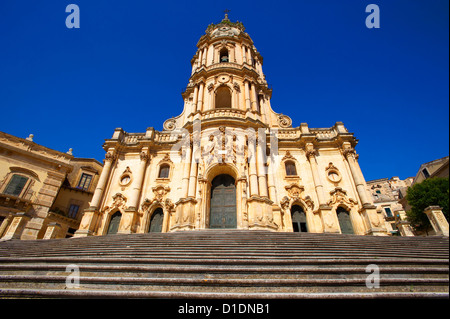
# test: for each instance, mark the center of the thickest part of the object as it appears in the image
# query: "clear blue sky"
(129, 61)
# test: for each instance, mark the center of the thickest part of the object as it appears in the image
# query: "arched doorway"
(298, 219)
(156, 222)
(114, 223)
(344, 221)
(223, 202)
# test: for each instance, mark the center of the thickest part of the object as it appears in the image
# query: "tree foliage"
(431, 192)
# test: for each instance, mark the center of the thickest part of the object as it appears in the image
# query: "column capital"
(310, 153)
(110, 156)
(144, 156)
(348, 152)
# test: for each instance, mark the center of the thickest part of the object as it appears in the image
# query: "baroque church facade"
(230, 161)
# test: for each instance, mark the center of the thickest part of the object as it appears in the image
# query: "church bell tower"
(227, 78)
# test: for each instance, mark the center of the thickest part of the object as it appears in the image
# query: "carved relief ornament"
(339, 196)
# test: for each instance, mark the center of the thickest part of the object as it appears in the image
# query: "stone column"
(374, 222)
(98, 193)
(192, 179)
(254, 99)
(200, 97)
(271, 183)
(262, 107)
(349, 154)
(261, 150)
(195, 99)
(186, 167)
(247, 96)
(437, 220)
(249, 57)
(200, 57)
(138, 179)
(311, 156)
(244, 55)
(252, 165)
(196, 136)
(205, 54)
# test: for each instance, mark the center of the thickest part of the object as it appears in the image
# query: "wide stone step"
(325, 271)
(81, 293)
(231, 285)
(306, 260)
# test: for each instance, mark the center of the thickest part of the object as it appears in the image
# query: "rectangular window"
(425, 173)
(388, 212)
(73, 210)
(85, 181)
(15, 185)
(164, 171)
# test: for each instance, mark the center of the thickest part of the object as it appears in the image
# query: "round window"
(334, 176)
(125, 180)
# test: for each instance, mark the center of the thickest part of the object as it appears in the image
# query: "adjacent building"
(42, 191)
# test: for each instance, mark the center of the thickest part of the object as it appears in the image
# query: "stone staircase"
(225, 264)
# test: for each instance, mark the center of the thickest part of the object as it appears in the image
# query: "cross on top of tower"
(226, 14)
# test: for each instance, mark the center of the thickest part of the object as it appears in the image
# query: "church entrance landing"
(223, 202)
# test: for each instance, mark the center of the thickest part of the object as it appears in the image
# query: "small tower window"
(224, 55)
(223, 98)
(425, 173)
(290, 168)
(164, 171)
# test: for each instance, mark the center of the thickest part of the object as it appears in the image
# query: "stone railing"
(323, 133)
(224, 65)
(288, 134)
(216, 113)
(133, 138)
(165, 137)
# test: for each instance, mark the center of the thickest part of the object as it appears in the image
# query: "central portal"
(223, 202)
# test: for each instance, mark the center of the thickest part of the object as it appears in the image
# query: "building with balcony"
(42, 191)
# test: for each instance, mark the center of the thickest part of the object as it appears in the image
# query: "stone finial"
(30, 138)
(70, 151)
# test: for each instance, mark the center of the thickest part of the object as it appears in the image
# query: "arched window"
(223, 97)
(164, 170)
(290, 168)
(224, 55)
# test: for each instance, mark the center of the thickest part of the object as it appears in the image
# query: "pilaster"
(52, 231)
(16, 227)
(88, 223)
(437, 220)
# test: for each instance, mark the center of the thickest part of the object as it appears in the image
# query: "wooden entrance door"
(223, 202)
(156, 222)
(344, 221)
(298, 219)
(114, 223)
